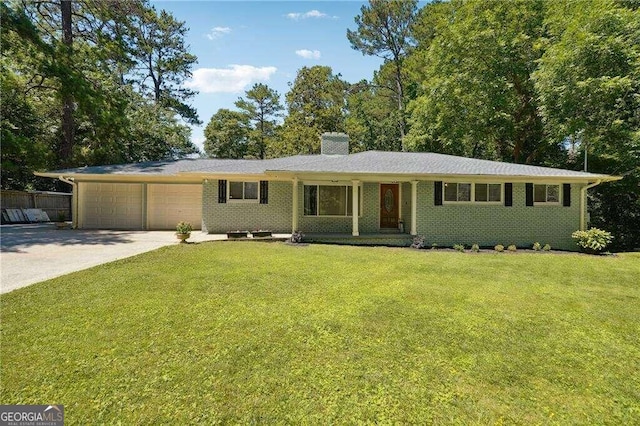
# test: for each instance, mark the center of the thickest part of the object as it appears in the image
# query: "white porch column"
(294, 214)
(355, 196)
(414, 206)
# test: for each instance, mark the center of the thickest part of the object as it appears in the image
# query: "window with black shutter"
(566, 195)
(529, 194)
(264, 192)
(222, 191)
(508, 194)
(437, 193)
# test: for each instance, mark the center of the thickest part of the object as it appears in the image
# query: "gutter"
(583, 203)
(74, 199)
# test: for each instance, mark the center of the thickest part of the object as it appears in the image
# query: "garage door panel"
(111, 205)
(168, 204)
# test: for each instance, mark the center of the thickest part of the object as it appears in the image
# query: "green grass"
(272, 333)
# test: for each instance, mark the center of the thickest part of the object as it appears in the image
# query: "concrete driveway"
(34, 253)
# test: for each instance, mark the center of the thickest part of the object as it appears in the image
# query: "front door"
(389, 206)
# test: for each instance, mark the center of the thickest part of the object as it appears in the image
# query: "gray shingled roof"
(369, 162)
(427, 163)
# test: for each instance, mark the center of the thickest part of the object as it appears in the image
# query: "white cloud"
(217, 32)
(308, 54)
(233, 79)
(310, 14)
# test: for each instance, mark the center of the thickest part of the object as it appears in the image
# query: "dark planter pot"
(182, 237)
(237, 234)
(261, 234)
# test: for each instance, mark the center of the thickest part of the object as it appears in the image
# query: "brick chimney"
(332, 143)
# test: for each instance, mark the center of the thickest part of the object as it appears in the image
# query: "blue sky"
(239, 43)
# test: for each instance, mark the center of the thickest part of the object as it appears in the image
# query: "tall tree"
(68, 67)
(26, 144)
(384, 30)
(66, 89)
(227, 135)
(315, 104)
(164, 61)
(55, 24)
(263, 108)
(478, 98)
(372, 117)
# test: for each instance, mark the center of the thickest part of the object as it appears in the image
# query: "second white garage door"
(168, 204)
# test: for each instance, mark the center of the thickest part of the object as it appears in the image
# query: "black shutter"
(437, 193)
(222, 191)
(264, 192)
(529, 192)
(566, 194)
(508, 194)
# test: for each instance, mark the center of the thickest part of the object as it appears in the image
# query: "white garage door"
(111, 205)
(171, 203)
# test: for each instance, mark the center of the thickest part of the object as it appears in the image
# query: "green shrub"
(458, 247)
(184, 228)
(499, 248)
(537, 246)
(546, 247)
(475, 248)
(434, 246)
(512, 247)
(592, 241)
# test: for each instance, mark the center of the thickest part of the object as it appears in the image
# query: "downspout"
(583, 203)
(74, 199)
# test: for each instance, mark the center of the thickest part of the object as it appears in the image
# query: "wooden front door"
(389, 206)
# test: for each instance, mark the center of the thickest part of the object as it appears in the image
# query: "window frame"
(472, 199)
(546, 193)
(243, 200)
(340, 184)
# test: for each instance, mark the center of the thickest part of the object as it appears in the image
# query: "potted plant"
(60, 223)
(183, 231)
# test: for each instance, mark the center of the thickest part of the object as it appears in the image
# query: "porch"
(382, 238)
(338, 210)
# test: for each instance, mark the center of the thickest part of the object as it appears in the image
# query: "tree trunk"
(65, 149)
(401, 121)
(262, 145)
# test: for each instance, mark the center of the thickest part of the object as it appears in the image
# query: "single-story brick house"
(366, 197)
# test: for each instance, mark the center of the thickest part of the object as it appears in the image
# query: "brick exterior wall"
(489, 225)
(444, 225)
(274, 216)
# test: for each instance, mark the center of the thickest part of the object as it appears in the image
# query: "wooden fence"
(53, 203)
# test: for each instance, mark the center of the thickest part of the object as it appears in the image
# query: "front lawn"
(271, 333)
